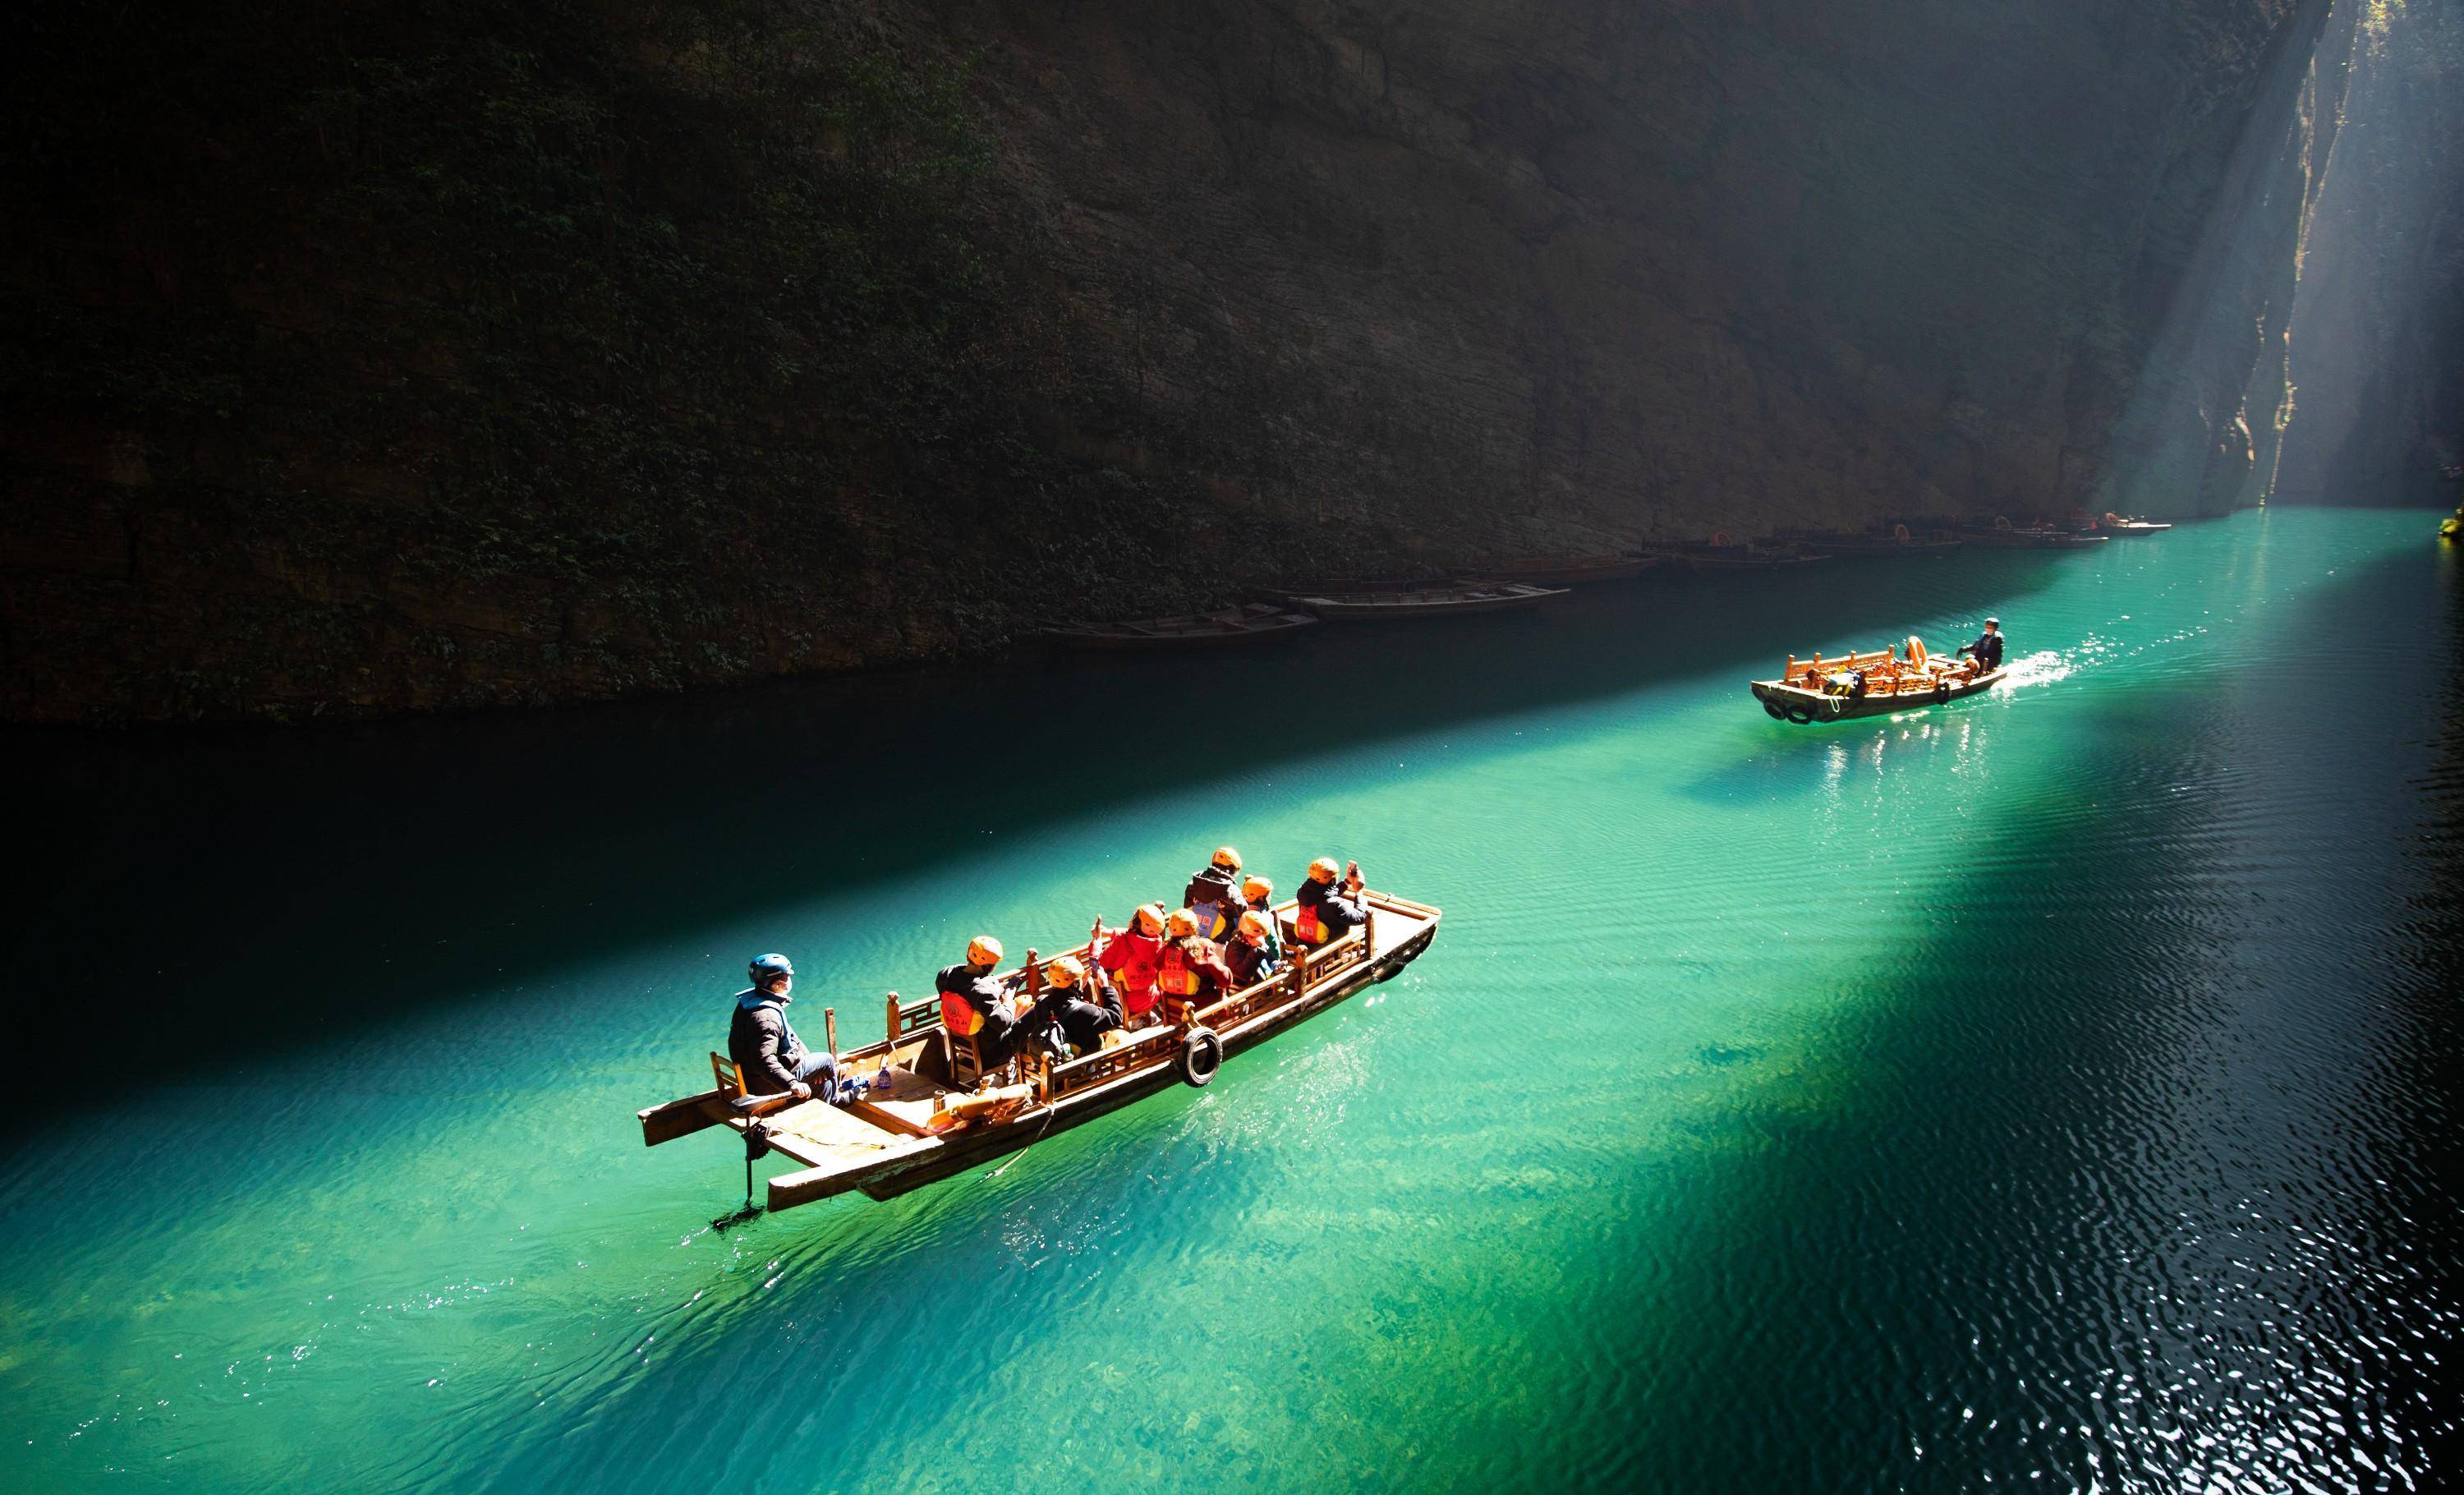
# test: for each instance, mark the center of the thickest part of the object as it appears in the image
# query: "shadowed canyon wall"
(369, 357)
(2378, 329)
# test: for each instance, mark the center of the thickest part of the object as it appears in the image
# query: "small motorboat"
(924, 1111)
(2120, 528)
(1872, 684)
(1198, 631)
(1422, 599)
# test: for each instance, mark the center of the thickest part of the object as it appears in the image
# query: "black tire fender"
(1775, 710)
(1202, 1055)
(1799, 715)
(1941, 693)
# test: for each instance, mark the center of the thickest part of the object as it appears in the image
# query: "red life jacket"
(1308, 925)
(1174, 976)
(959, 1015)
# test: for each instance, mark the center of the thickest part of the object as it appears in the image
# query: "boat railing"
(1307, 967)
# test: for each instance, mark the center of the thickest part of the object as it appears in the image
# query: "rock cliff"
(2378, 328)
(386, 357)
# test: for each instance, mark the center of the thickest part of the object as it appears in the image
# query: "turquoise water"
(2056, 1088)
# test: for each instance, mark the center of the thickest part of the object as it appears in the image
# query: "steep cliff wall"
(2378, 330)
(387, 357)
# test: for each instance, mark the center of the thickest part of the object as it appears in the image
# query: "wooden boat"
(2120, 528)
(901, 1137)
(1720, 553)
(1898, 540)
(1805, 691)
(2001, 534)
(1198, 631)
(1425, 600)
(1568, 571)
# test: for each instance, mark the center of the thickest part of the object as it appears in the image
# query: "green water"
(2055, 1086)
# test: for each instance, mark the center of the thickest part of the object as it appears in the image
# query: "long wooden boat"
(2002, 535)
(1897, 541)
(1719, 553)
(899, 1137)
(1241, 624)
(1811, 689)
(1568, 571)
(1430, 600)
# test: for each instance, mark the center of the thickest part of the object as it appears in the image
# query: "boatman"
(975, 1004)
(1987, 648)
(768, 1055)
(1327, 911)
(1209, 895)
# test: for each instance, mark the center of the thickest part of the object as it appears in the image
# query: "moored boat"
(2120, 527)
(1423, 599)
(906, 1131)
(1198, 631)
(1869, 684)
(1897, 541)
(1568, 571)
(2002, 534)
(1720, 553)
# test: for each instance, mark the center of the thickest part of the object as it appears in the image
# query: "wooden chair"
(963, 1060)
(731, 1081)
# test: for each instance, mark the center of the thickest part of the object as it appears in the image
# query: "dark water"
(2059, 1088)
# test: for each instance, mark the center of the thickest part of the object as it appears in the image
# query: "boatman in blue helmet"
(1987, 648)
(767, 1050)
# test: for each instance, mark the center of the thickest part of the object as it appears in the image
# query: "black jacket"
(1988, 650)
(980, 990)
(1341, 911)
(1218, 886)
(764, 1047)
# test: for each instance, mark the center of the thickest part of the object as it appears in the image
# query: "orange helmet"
(1150, 920)
(1257, 887)
(1181, 922)
(1065, 971)
(1324, 870)
(1228, 859)
(983, 950)
(1254, 922)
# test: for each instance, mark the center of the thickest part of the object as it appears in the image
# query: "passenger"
(1987, 648)
(1130, 956)
(1209, 895)
(1253, 955)
(975, 1004)
(1327, 911)
(1259, 894)
(1191, 972)
(769, 1057)
(1081, 1003)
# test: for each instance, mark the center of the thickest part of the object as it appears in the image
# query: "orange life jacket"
(959, 1015)
(1308, 925)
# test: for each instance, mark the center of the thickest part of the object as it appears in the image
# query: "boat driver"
(1987, 648)
(769, 1057)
